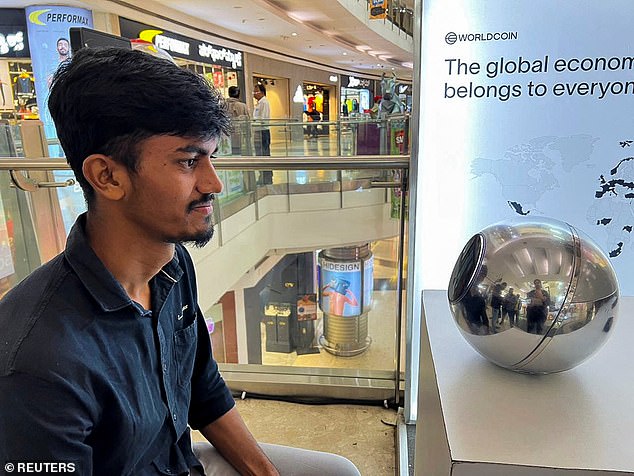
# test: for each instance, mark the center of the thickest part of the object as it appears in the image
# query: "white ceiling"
(326, 32)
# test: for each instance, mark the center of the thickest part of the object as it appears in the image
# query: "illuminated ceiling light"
(363, 48)
(294, 34)
(345, 53)
(408, 64)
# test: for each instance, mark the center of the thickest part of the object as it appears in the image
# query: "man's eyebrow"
(193, 148)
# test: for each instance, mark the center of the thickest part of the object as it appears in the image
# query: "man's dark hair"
(261, 87)
(108, 100)
(234, 92)
(62, 39)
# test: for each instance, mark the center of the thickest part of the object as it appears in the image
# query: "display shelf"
(478, 419)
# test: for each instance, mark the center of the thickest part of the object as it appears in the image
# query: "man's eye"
(189, 163)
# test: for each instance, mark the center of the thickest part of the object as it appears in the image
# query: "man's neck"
(131, 258)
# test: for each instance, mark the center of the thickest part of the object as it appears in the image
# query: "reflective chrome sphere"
(534, 295)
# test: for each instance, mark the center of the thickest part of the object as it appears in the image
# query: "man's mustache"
(207, 199)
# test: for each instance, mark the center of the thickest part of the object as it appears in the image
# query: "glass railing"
(399, 13)
(345, 137)
(302, 286)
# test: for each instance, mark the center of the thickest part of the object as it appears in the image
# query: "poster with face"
(48, 28)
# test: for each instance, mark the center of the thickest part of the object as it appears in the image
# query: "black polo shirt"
(89, 377)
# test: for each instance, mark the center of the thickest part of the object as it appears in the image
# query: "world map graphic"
(526, 173)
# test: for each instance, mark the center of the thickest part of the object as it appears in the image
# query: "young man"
(262, 112)
(105, 359)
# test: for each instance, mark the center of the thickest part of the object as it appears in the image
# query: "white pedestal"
(478, 419)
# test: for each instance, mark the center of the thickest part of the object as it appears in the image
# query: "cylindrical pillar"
(346, 284)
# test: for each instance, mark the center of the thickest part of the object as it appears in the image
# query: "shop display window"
(218, 76)
(22, 84)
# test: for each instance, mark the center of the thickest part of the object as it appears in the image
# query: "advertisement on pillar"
(525, 114)
(341, 288)
(48, 38)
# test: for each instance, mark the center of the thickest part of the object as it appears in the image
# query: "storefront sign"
(181, 46)
(13, 38)
(404, 89)
(222, 56)
(172, 45)
(355, 83)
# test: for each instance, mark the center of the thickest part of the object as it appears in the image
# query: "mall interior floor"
(363, 434)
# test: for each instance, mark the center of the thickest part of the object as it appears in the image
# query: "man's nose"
(209, 181)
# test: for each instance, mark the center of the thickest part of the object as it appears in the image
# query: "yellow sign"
(378, 9)
(34, 17)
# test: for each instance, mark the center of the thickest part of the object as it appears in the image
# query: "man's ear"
(108, 178)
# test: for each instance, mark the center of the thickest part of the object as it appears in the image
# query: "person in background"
(374, 111)
(312, 115)
(105, 359)
(509, 306)
(537, 308)
(496, 304)
(388, 106)
(238, 112)
(262, 112)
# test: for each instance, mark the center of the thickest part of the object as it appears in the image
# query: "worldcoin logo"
(451, 38)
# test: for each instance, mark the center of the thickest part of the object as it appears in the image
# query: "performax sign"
(181, 46)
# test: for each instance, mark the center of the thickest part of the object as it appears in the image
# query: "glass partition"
(302, 281)
(361, 135)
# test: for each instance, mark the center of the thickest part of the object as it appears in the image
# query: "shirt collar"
(96, 278)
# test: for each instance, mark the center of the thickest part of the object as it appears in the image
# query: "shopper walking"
(239, 114)
(262, 114)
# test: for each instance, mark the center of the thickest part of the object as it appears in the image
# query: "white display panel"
(526, 109)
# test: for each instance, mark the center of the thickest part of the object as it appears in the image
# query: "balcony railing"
(265, 255)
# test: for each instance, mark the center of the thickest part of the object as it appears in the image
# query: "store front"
(318, 106)
(357, 95)
(17, 84)
(223, 67)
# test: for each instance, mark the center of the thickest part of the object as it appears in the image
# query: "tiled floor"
(379, 356)
(363, 434)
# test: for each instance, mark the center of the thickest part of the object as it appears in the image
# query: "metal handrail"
(245, 163)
